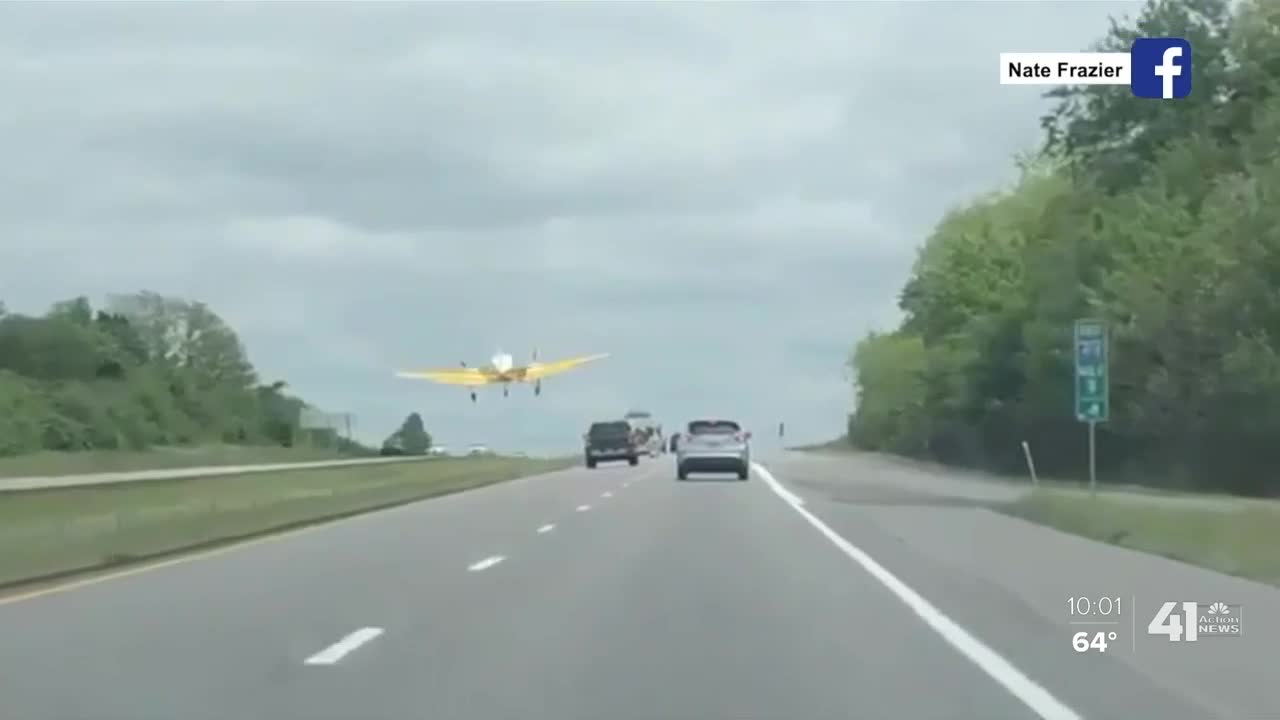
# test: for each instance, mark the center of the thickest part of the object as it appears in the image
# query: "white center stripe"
(486, 563)
(338, 650)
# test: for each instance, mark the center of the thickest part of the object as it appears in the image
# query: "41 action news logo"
(1190, 621)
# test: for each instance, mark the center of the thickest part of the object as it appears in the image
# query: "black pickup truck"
(611, 440)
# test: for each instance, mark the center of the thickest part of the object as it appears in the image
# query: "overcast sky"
(724, 197)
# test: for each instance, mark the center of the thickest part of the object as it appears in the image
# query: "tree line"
(411, 438)
(1161, 218)
(144, 370)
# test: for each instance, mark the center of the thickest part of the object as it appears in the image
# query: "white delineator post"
(1031, 465)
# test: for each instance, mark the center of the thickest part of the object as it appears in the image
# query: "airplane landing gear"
(505, 391)
(537, 388)
(473, 396)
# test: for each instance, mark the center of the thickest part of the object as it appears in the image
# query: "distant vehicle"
(714, 446)
(478, 449)
(438, 450)
(501, 369)
(648, 431)
(611, 440)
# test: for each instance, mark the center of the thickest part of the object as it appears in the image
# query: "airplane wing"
(452, 376)
(541, 370)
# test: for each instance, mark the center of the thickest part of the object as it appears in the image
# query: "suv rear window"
(619, 427)
(713, 427)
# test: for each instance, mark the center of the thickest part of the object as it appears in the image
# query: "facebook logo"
(1160, 68)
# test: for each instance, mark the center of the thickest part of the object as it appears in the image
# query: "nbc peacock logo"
(1219, 619)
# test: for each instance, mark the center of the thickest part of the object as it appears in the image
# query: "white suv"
(714, 446)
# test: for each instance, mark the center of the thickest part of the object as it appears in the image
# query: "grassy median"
(160, 458)
(45, 533)
(1236, 536)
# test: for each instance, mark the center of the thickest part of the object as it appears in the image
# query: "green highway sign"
(1091, 355)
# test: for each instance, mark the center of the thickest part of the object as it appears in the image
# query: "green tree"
(1159, 218)
(1104, 132)
(414, 436)
(147, 370)
(891, 393)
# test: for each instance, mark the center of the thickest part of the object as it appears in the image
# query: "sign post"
(1092, 397)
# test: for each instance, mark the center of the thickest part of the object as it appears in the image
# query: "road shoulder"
(1011, 580)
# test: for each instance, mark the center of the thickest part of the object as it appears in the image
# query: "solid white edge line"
(583, 508)
(338, 650)
(486, 563)
(779, 488)
(1002, 671)
(546, 528)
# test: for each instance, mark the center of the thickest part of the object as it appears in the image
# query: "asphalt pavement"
(820, 588)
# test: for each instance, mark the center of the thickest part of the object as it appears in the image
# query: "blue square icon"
(1160, 68)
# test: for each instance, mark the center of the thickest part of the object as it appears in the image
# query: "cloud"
(724, 196)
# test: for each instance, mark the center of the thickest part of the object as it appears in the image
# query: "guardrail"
(41, 482)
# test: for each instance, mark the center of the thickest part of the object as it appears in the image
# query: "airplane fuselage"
(501, 362)
(503, 366)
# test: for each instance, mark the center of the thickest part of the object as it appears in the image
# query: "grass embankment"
(163, 458)
(1231, 535)
(45, 533)
(1225, 533)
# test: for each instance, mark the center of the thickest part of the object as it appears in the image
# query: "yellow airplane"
(501, 369)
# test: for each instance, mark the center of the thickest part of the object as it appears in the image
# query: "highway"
(821, 588)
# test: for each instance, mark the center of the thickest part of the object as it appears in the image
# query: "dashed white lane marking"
(546, 528)
(486, 563)
(1002, 671)
(339, 650)
(583, 508)
(606, 494)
